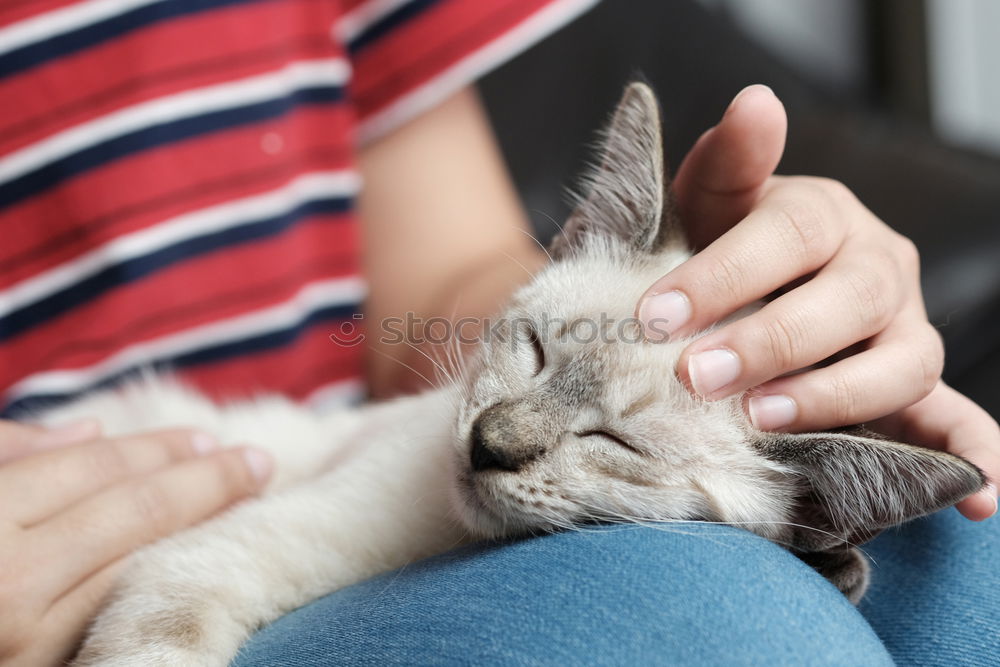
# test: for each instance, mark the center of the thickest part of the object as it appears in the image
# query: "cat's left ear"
(855, 483)
(628, 196)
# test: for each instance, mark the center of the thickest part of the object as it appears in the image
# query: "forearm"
(465, 301)
(445, 234)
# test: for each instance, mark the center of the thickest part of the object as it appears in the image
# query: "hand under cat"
(74, 504)
(852, 279)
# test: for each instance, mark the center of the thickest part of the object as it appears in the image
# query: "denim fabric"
(679, 595)
(935, 594)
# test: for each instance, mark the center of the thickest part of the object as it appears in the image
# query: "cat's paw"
(161, 616)
(847, 569)
(96, 656)
(176, 637)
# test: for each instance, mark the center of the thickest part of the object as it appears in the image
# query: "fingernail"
(712, 370)
(743, 92)
(259, 463)
(203, 443)
(77, 431)
(768, 413)
(990, 491)
(663, 314)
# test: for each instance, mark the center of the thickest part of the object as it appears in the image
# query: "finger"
(17, 440)
(67, 619)
(720, 178)
(847, 302)
(795, 229)
(898, 370)
(106, 526)
(947, 420)
(36, 487)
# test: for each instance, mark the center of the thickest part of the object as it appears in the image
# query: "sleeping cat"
(543, 429)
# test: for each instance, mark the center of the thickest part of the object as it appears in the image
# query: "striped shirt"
(178, 177)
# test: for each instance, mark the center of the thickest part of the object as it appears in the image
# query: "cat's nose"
(485, 456)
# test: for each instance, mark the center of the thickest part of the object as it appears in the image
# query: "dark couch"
(547, 104)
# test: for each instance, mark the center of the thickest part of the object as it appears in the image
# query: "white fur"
(358, 492)
(192, 599)
(600, 429)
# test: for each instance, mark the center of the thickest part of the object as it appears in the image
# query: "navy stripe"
(132, 270)
(224, 351)
(253, 179)
(100, 94)
(62, 169)
(37, 53)
(388, 23)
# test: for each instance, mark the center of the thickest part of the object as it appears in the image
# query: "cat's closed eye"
(618, 440)
(538, 350)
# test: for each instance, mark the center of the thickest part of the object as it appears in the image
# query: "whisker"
(537, 242)
(437, 366)
(516, 261)
(405, 365)
(551, 219)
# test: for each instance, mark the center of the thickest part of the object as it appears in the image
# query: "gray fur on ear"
(627, 195)
(857, 483)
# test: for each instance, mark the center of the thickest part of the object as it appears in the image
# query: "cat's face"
(567, 415)
(570, 415)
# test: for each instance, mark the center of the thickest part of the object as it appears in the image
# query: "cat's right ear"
(628, 196)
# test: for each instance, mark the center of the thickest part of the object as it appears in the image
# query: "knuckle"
(930, 360)
(235, 478)
(866, 287)
(801, 223)
(176, 444)
(785, 339)
(108, 461)
(844, 399)
(907, 254)
(726, 276)
(834, 189)
(153, 507)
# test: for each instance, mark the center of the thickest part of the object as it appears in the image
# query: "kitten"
(548, 427)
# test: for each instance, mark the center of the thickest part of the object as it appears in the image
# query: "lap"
(935, 593)
(683, 594)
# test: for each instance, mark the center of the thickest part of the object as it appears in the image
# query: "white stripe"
(302, 189)
(190, 103)
(275, 318)
(63, 20)
(529, 31)
(336, 395)
(362, 17)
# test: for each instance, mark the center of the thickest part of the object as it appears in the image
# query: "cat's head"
(569, 415)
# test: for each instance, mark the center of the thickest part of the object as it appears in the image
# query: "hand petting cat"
(848, 281)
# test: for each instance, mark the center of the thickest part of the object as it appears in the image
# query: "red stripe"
(188, 52)
(218, 286)
(13, 11)
(297, 370)
(350, 5)
(434, 40)
(101, 204)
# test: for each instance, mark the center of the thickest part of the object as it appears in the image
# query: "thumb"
(720, 178)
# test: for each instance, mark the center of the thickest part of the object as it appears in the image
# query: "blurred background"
(899, 99)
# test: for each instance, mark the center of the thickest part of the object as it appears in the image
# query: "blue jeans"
(667, 594)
